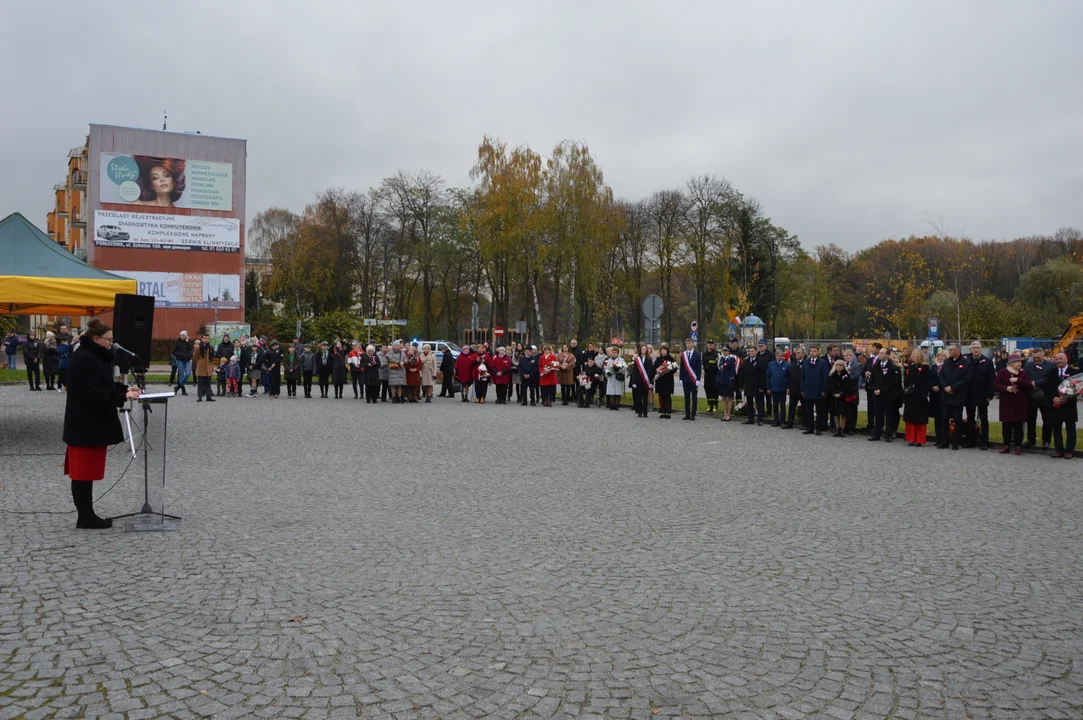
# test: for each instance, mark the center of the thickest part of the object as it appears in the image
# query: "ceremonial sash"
(642, 371)
(688, 366)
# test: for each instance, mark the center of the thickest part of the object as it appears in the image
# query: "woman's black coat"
(916, 403)
(371, 365)
(50, 360)
(90, 416)
(663, 384)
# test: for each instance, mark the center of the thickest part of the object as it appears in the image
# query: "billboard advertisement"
(188, 290)
(147, 182)
(166, 232)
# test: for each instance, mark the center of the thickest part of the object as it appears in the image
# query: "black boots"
(82, 493)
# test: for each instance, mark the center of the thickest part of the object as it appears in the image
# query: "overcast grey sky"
(849, 121)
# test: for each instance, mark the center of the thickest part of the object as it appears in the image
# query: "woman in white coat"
(616, 373)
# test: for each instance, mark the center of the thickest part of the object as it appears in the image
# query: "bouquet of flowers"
(667, 366)
(584, 381)
(1071, 387)
(545, 369)
(616, 368)
(483, 372)
(739, 406)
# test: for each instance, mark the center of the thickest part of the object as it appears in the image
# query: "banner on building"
(166, 232)
(147, 182)
(188, 290)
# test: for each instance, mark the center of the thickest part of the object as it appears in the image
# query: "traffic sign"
(498, 331)
(694, 326)
(653, 307)
(695, 336)
(520, 327)
(369, 322)
(399, 322)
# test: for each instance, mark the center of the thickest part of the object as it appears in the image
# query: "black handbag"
(909, 390)
(1036, 397)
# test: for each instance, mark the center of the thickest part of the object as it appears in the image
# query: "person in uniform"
(710, 376)
(753, 378)
(726, 382)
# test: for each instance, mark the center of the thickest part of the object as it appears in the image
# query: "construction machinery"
(1072, 341)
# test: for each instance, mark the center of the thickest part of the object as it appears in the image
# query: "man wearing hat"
(710, 377)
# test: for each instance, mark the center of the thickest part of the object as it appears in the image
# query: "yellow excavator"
(1072, 341)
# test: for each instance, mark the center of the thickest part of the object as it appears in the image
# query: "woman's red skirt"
(85, 463)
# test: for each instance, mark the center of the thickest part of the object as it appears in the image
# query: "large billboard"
(147, 182)
(166, 232)
(188, 290)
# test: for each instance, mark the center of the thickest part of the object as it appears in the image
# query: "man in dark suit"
(753, 374)
(978, 394)
(866, 372)
(1064, 411)
(954, 377)
(886, 384)
(691, 378)
(797, 365)
(813, 390)
(1044, 375)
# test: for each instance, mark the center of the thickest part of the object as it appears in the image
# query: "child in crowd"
(233, 377)
(220, 373)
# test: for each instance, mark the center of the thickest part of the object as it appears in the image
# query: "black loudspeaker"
(133, 324)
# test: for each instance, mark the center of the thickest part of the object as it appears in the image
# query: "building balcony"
(78, 219)
(60, 187)
(78, 180)
(78, 152)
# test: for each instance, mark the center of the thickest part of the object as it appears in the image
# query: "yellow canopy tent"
(39, 277)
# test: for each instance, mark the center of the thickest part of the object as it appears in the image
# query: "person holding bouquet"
(640, 376)
(614, 368)
(548, 367)
(1013, 385)
(665, 367)
(481, 380)
(589, 378)
(566, 374)
(1064, 412)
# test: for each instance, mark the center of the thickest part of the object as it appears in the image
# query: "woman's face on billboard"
(161, 180)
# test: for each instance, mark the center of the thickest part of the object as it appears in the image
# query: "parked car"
(439, 347)
(112, 232)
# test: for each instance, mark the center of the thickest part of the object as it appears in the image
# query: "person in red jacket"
(500, 370)
(464, 371)
(548, 365)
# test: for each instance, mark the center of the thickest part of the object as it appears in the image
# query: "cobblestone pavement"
(466, 561)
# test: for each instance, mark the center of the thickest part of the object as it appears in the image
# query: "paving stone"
(337, 558)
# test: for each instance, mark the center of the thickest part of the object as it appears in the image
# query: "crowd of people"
(816, 387)
(49, 357)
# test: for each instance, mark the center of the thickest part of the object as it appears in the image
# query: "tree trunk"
(537, 307)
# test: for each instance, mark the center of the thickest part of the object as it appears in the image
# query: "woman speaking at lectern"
(91, 423)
